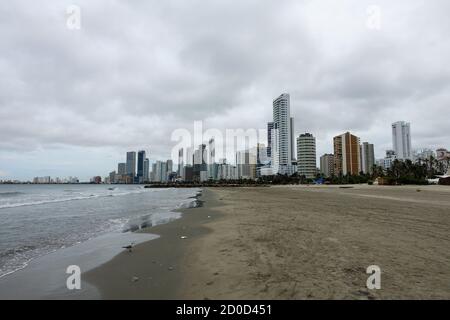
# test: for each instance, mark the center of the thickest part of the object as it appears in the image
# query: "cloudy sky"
(72, 101)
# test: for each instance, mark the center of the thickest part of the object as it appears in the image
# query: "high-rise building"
(401, 140)
(327, 165)
(246, 164)
(367, 157)
(121, 169)
(270, 126)
(347, 159)
(199, 162)
(180, 162)
(169, 168)
(306, 155)
(160, 171)
(386, 163)
(423, 154)
(140, 166)
(211, 161)
(211, 151)
(283, 121)
(131, 164)
(275, 159)
(153, 172)
(146, 170)
(293, 155)
(112, 177)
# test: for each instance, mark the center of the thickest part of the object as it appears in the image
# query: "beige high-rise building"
(327, 165)
(306, 155)
(347, 157)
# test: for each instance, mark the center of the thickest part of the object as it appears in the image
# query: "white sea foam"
(88, 212)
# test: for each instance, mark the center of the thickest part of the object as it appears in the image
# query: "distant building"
(153, 173)
(180, 162)
(284, 125)
(199, 162)
(270, 127)
(327, 165)
(169, 170)
(188, 173)
(160, 171)
(112, 177)
(246, 164)
(306, 155)
(146, 170)
(347, 159)
(122, 169)
(227, 172)
(386, 163)
(367, 157)
(401, 140)
(131, 164)
(141, 166)
(423, 154)
(211, 161)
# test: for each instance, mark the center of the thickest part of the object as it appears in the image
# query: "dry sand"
(294, 242)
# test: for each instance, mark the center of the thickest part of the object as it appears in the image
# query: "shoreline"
(154, 269)
(44, 276)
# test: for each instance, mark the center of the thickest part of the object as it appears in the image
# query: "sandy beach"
(293, 242)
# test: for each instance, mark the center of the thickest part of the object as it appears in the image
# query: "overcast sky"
(72, 102)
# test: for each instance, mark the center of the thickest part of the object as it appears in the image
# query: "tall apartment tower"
(146, 170)
(131, 164)
(282, 119)
(306, 155)
(246, 164)
(122, 169)
(211, 151)
(141, 166)
(293, 154)
(347, 158)
(401, 140)
(367, 157)
(180, 162)
(327, 165)
(270, 127)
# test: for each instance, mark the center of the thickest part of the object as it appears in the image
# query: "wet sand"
(293, 242)
(153, 270)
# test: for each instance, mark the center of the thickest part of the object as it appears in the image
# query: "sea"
(38, 220)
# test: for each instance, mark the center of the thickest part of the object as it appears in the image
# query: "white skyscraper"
(306, 155)
(401, 140)
(284, 124)
(367, 157)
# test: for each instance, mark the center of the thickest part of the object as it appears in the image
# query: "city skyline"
(140, 169)
(74, 101)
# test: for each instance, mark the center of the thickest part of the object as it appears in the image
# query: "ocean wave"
(40, 202)
(82, 197)
(10, 193)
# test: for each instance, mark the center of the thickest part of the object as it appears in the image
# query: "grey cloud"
(137, 70)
